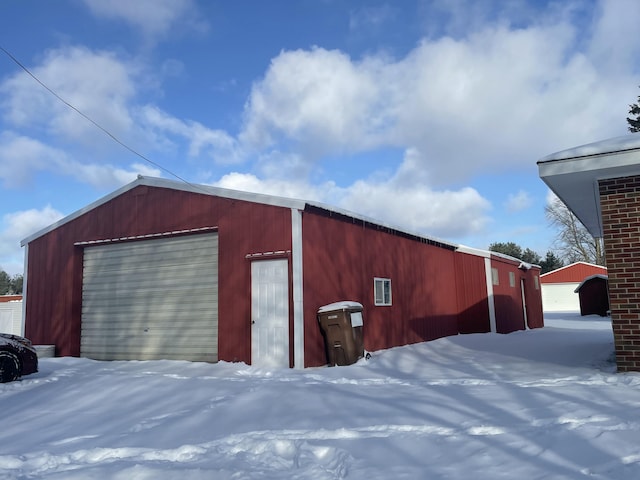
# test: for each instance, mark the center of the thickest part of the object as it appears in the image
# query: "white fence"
(11, 317)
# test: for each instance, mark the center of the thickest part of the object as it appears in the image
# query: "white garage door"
(151, 299)
(560, 297)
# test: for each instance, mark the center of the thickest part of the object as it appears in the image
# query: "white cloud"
(436, 213)
(370, 17)
(21, 157)
(612, 45)
(403, 200)
(154, 18)
(15, 227)
(319, 99)
(278, 187)
(96, 83)
(518, 201)
(106, 177)
(497, 98)
(215, 144)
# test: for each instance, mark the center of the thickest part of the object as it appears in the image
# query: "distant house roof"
(573, 174)
(574, 273)
(10, 298)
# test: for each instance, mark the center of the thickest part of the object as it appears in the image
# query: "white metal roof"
(226, 193)
(573, 174)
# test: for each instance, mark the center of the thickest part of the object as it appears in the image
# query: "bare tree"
(573, 242)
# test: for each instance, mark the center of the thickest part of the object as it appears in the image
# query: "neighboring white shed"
(11, 314)
(558, 286)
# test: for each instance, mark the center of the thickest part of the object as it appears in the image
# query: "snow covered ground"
(541, 404)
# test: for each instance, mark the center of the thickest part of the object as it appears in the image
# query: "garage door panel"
(151, 299)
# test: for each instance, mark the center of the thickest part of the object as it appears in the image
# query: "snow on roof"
(610, 145)
(590, 277)
(344, 305)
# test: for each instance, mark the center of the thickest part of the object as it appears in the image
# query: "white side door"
(270, 313)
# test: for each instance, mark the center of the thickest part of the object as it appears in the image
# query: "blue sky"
(429, 115)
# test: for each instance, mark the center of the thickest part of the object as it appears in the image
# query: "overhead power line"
(88, 118)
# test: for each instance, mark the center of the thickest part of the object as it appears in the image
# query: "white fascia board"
(573, 174)
(222, 192)
(491, 254)
(173, 185)
(602, 147)
(474, 251)
(80, 212)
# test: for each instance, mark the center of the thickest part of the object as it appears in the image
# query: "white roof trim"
(603, 147)
(573, 174)
(224, 193)
(571, 265)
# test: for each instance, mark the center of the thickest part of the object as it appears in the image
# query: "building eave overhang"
(573, 174)
(173, 185)
(264, 199)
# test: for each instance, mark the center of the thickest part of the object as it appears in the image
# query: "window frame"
(387, 296)
(495, 276)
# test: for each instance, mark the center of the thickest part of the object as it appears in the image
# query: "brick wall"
(620, 206)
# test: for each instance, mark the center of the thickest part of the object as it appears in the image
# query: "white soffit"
(573, 174)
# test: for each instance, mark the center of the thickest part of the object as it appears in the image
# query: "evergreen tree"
(514, 250)
(550, 262)
(634, 121)
(5, 283)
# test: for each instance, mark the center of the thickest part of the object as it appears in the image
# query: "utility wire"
(96, 124)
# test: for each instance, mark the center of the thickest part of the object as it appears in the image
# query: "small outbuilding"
(593, 292)
(162, 269)
(559, 286)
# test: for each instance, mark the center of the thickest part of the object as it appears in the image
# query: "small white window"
(536, 282)
(512, 279)
(494, 276)
(382, 291)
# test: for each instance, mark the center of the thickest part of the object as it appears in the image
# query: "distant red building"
(559, 286)
(165, 269)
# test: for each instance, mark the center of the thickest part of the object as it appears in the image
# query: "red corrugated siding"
(471, 286)
(436, 291)
(340, 262)
(574, 273)
(507, 298)
(510, 311)
(53, 303)
(533, 298)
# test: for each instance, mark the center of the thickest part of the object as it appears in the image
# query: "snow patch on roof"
(611, 145)
(343, 305)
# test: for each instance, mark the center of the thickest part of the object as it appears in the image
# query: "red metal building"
(593, 292)
(165, 269)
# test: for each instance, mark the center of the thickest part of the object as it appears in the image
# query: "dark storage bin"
(341, 325)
